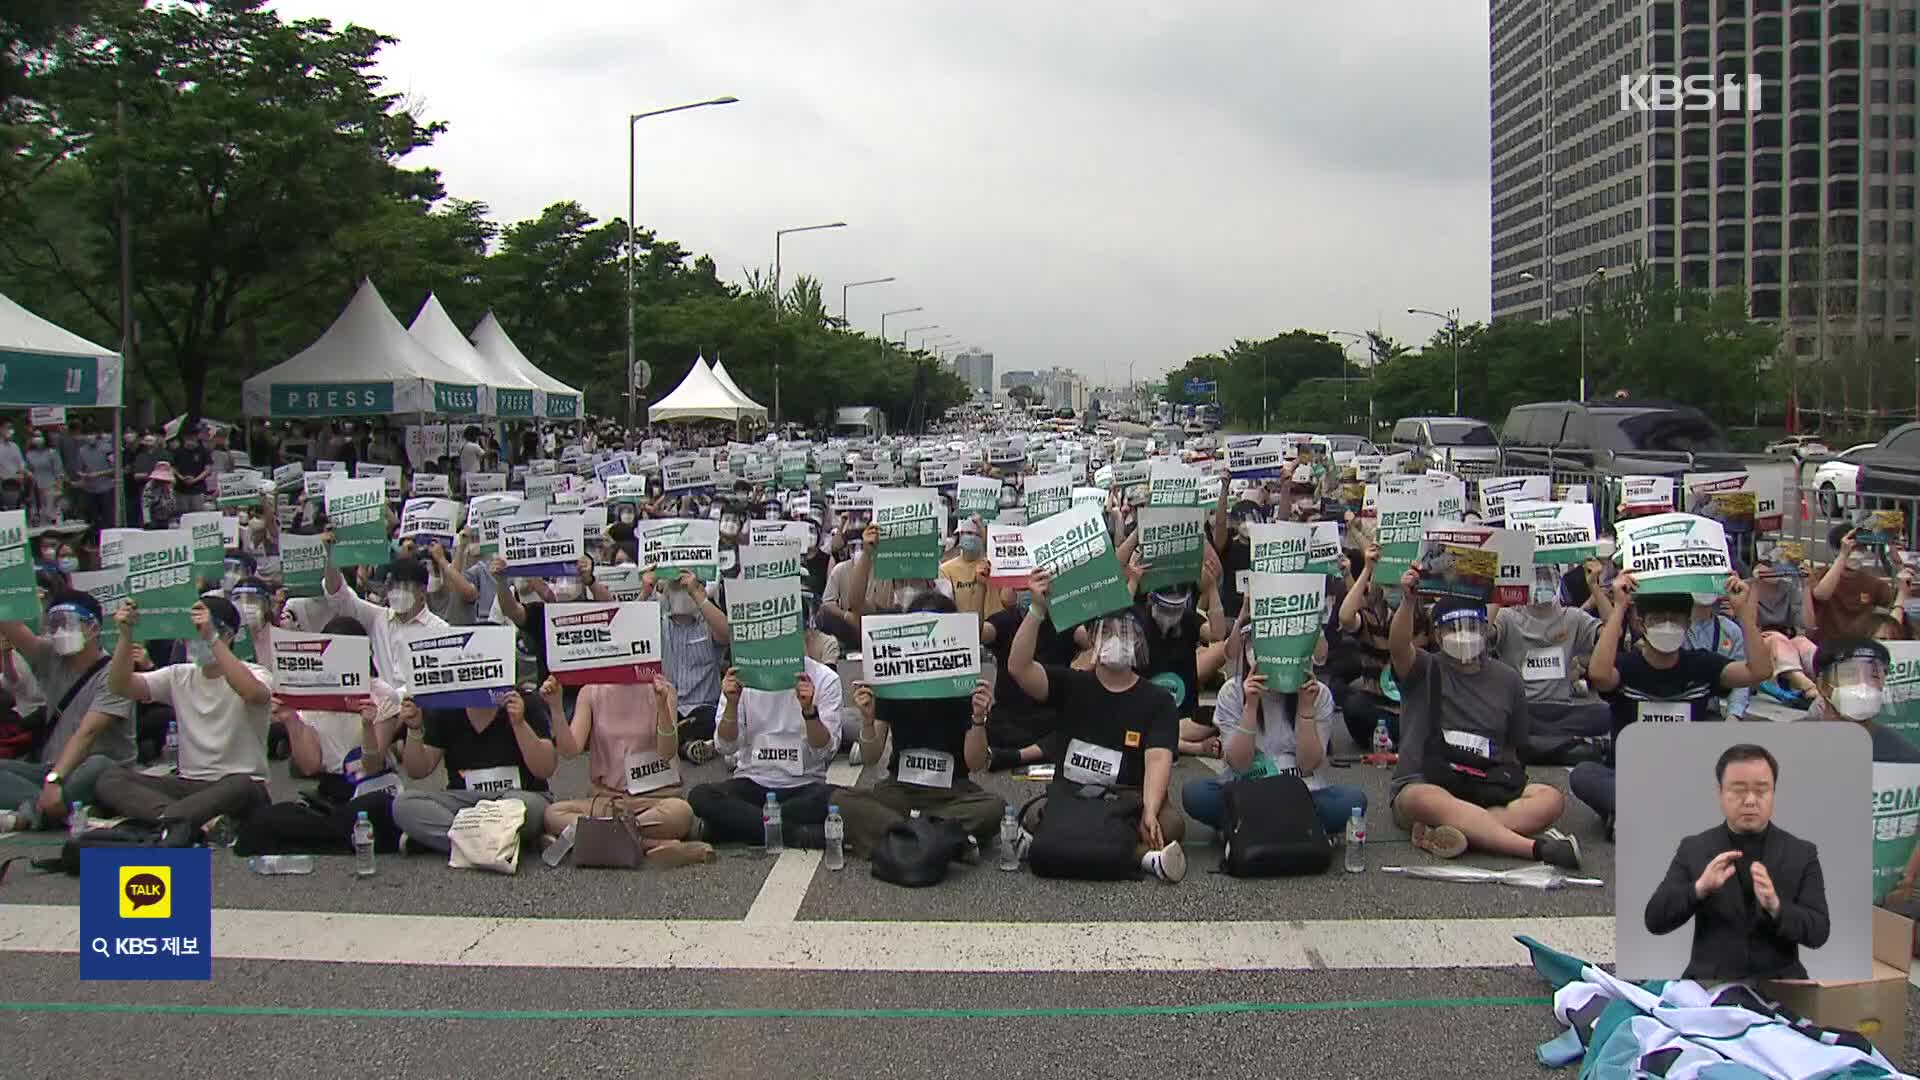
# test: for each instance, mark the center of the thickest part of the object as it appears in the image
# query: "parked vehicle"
(1637, 438)
(1457, 444)
(1889, 473)
(1799, 446)
(1835, 480)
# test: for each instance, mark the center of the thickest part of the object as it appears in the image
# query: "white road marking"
(990, 947)
(786, 886)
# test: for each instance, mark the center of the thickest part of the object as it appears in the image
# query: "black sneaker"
(1002, 758)
(178, 834)
(1557, 849)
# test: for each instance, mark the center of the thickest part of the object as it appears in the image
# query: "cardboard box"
(1875, 1007)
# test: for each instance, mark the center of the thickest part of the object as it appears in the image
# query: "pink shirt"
(624, 718)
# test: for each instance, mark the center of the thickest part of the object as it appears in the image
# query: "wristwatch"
(52, 777)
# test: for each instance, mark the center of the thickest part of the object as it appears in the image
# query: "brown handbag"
(611, 842)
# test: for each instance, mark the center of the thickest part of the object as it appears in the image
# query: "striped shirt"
(692, 660)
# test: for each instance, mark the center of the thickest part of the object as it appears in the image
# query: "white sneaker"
(1169, 864)
(9, 821)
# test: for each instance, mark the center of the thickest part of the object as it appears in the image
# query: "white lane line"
(786, 886)
(984, 947)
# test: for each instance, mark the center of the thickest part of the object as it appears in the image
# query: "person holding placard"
(784, 740)
(347, 750)
(1659, 679)
(629, 734)
(1363, 667)
(405, 611)
(1119, 732)
(692, 658)
(1018, 725)
(1463, 719)
(222, 706)
(1851, 687)
(503, 752)
(90, 728)
(869, 594)
(1186, 630)
(1546, 641)
(964, 574)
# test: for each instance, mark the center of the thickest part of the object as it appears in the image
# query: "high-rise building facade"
(1803, 199)
(975, 368)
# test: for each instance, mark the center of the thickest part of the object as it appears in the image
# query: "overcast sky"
(1089, 185)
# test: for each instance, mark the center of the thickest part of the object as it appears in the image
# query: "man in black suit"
(1754, 890)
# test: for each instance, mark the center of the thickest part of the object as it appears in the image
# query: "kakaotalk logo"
(1694, 93)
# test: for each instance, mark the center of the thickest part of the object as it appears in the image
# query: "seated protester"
(1851, 685)
(222, 706)
(937, 743)
(1362, 670)
(1482, 708)
(965, 573)
(836, 599)
(253, 599)
(504, 752)
(1544, 641)
(1659, 678)
(879, 596)
(1017, 723)
(1268, 733)
(388, 626)
(783, 741)
(1714, 632)
(348, 752)
(627, 730)
(693, 645)
(238, 567)
(90, 728)
(1176, 635)
(443, 598)
(1113, 718)
(525, 606)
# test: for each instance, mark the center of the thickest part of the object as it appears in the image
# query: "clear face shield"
(1545, 591)
(67, 626)
(1118, 643)
(1463, 635)
(1857, 687)
(253, 606)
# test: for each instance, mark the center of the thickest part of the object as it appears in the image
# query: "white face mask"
(566, 590)
(1545, 595)
(1115, 652)
(1858, 702)
(1463, 645)
(402, 599)
(69, 641)
(681, 603)
(903, 596)
(199, 652)
(1666, 637)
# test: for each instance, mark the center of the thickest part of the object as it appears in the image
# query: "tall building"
(975, 368)
(1749, 195)
(1056, 388)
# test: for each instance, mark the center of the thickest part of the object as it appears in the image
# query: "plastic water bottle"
(560, 846)
(836, 839)
(362, 846)
(275, 865)
(170, 749)
(1382, 739)
(1357, 842)
(1009, 841)
(76, 820)
(770, 821)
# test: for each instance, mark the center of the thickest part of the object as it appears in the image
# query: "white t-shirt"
(1276, 743)
(220, 734)
(774, 734)
(470, 458)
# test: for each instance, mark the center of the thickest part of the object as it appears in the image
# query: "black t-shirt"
(1132, 722)
(1051, 648)
(1171, 661)
(1694, 680)
(492, 747)
(1237, 559)
(932, 724)
(191, 461)
(533, 638)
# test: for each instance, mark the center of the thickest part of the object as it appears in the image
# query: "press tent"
(726, 380)
(700, 396)
(431, 327)
(366, 364)
(43, 364)
(555, 399)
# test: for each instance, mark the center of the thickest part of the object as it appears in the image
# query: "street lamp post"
(1343, 365)
(777, 235)
(1581, 296)
(915, 330)
(633, 396)
(853, 285)
(885, 315)
(1452, 320)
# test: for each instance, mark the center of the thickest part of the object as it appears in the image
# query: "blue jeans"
(1206, 802)
(20, 783)
(1593, 783)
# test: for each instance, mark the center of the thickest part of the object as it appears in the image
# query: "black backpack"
(917, 852)
(125, 834)
(1273, 830)
(1087, 839)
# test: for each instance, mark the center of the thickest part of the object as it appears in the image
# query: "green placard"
(1896, 822)
(19, 594)
(239, 489)
(909, 522)
(357, 514)
(109, 587)
(30, 378)
(303, 564)
(512, 402)
(160, 581)
(769, 644)
(1402, 529)
(977, 496)
(1900, 704)
(1288, 610)
(1074, 547)
(331, 399)
(209, 543)
(1171, 543)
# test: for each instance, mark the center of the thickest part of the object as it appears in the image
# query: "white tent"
(366, 364)
(726, 380)
(434, 328)
(555, 399)
(700, 396)
(43, 364)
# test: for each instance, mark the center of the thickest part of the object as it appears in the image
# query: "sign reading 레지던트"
(320, 671)
(603, 643)
(921, 656)
(769, 642)
(672, 546)
(458, 667)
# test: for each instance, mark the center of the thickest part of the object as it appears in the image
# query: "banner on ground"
(603, 643)
(671, 546)
(1476, 562)
(1643, 495)
(910, 530)
(1562, 532)
(19, 589)
(686, 472)
(1287, 612)
(1496, 492)
(768, 639)
(160, 580)
(239, 489)
(1007, 556)
(1171, 541)
(920, 656)
(357, 514)
(977, 496)
(1675, 553)
(543, 545)
(109, 588)
(458, 667)
(1896, 823)
(1173, 485)
(428, 521)
(1074, 548)
(321, 671)
(1046, 494)
(1724, 497)
(1295, 547)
